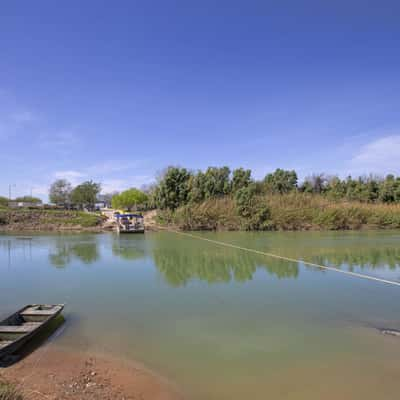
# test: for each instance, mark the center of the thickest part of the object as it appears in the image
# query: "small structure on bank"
(129, 223)
(24, 204)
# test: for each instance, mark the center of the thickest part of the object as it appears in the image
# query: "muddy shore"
(50, 373)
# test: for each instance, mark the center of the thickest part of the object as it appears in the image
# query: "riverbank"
(49, 220)
(290, 212)
(54, 374)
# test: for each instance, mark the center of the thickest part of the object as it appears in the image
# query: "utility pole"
(9, 190)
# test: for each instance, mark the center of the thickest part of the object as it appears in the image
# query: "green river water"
(219, 322)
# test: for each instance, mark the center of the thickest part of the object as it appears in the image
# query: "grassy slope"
(295, 211)
(52, 219)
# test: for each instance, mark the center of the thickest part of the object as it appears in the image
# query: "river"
(223, 323)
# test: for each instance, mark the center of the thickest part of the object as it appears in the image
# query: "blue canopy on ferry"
(129, 215)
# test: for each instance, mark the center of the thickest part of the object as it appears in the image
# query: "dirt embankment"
(150, 221)
(59, 375)
(26, 220)
(49, 220)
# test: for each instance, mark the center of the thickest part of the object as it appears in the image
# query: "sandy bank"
(50, 373)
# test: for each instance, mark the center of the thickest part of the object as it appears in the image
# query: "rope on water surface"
(272, 255)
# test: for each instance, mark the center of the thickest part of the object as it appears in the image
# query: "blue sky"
(116, 91)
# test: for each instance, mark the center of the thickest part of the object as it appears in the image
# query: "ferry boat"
(129, 223)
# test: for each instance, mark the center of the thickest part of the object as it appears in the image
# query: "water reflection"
(180, 261)
(367, 258)
(128, 247)
(213, 264)
(64, 251)
(12, 246)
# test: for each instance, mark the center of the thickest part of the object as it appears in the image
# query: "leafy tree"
(335, 188)
(85, 194)
(178, 187)
(129, 199)
(281, 181)
(213, 183)
(173, 189)
(241, 178)
(60, 192)
(29, 199)
(356, 189)
(197, 187)
(255, 212)
(3, 201)
(244, 200)
(216, 182)
(306, 187)
(390, 189)
(315, 183)
(372, 189)
(151, 192)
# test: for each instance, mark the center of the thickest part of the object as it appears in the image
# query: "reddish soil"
(55, 374)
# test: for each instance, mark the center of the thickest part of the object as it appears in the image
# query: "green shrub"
(248, 210)
(332, 219)
(244, 201)
(3, 217)
(3, 202)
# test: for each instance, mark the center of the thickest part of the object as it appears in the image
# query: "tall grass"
(293, 211)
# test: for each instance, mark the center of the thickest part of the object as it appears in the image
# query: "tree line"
(87, 194)
(81, 196)
(179, 186)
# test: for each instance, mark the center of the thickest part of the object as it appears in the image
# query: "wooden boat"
(22, 326)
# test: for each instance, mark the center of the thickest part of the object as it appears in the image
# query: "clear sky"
(116, 91)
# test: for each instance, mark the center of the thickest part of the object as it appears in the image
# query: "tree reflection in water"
(180, 261)
(214, 264)
(352, 258)
(65, 250)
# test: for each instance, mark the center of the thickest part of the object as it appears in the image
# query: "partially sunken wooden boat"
(22, 326)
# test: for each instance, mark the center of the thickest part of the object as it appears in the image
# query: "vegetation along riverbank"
(221, 199)
(295, 211)
(218, 199)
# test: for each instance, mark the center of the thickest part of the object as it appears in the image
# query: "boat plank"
(34, 317)
(39, 312)
(18, 328)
